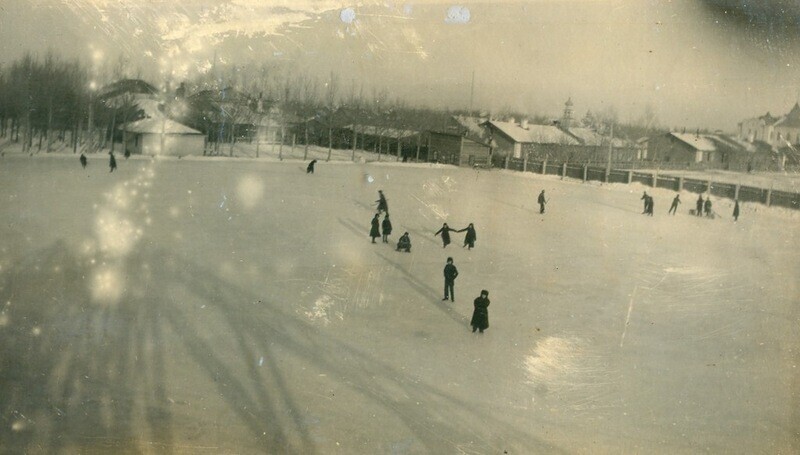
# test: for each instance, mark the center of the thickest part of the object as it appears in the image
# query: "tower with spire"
(566, 118)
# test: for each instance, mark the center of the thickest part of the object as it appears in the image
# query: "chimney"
(524, 123)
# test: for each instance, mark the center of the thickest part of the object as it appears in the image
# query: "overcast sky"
(696, 63)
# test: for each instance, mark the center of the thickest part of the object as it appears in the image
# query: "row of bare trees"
(42, 100)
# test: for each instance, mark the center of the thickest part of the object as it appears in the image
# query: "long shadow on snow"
(73, 372)
(369, 376)
(427, 291)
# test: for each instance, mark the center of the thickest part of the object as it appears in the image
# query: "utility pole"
(610, 145)
(472, 92)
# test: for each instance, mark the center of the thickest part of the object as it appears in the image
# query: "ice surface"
(232, 306)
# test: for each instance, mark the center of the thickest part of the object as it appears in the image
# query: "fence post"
(655, 179)
(585, 171)
(563, 171)
(525, 163)
(630, 177)
(544, 166)
(736, 192)
(680, 184)
(708, 187)
(769, 196)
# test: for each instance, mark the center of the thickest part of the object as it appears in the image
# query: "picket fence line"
(585, 172)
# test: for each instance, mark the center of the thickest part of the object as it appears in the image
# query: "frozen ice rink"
(191, 306)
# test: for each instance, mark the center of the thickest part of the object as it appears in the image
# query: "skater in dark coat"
(375, 231)
(387, 228)
(649, 203)
(707, 206)
(112, 162)
(383, 206)
(736, 210)
(404, 244)
(83, 160)
(310, 168)
(445, 231)
(470, 237)
(450, 274)
(699, 206)
(674, 207)
(480, 315)
(542, 201)
(127, 154)
(644, 198)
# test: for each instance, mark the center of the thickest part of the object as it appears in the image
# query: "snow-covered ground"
(238, 306)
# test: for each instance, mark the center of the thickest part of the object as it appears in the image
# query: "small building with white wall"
(161, 136)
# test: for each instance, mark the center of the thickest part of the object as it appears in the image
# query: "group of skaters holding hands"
(702, 206)
(480, 315)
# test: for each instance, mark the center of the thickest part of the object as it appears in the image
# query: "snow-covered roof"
(157, 126)
(697, 141)
(790, 120)
(534, 134)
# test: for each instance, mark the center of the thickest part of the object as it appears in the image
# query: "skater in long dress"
(649, 203)
(736, 210)
(470, 237)
(644, 198)
(699, 206)
(383, 206)
(445, 231)
(450, 274)
(404, 244)
(375, 231)
(83, 160)
(707, 206)
(112, 162)
(480, 315)
(386, 228)
(310, 168)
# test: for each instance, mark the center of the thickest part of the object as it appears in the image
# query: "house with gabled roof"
(775, 131)
(703, 150)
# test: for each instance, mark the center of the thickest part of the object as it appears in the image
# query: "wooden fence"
(586, 172)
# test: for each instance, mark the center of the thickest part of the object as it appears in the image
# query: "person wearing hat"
(383, 206)
(480, 315)
(375, 230)
(450, 274)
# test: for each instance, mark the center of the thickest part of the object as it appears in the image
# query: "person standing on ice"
(112, 162)
(470, 237)
(542, 201)
(450, 274)
(383, 206)
(644, 198)
(445, 231)
(310, 168)
(674, 207)
(649, 203)
(699, 206)
(707, 206)
(736, 210)
(404, 244)
(375, 231)
(83, 160)
(386, 228)
(480, 313)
